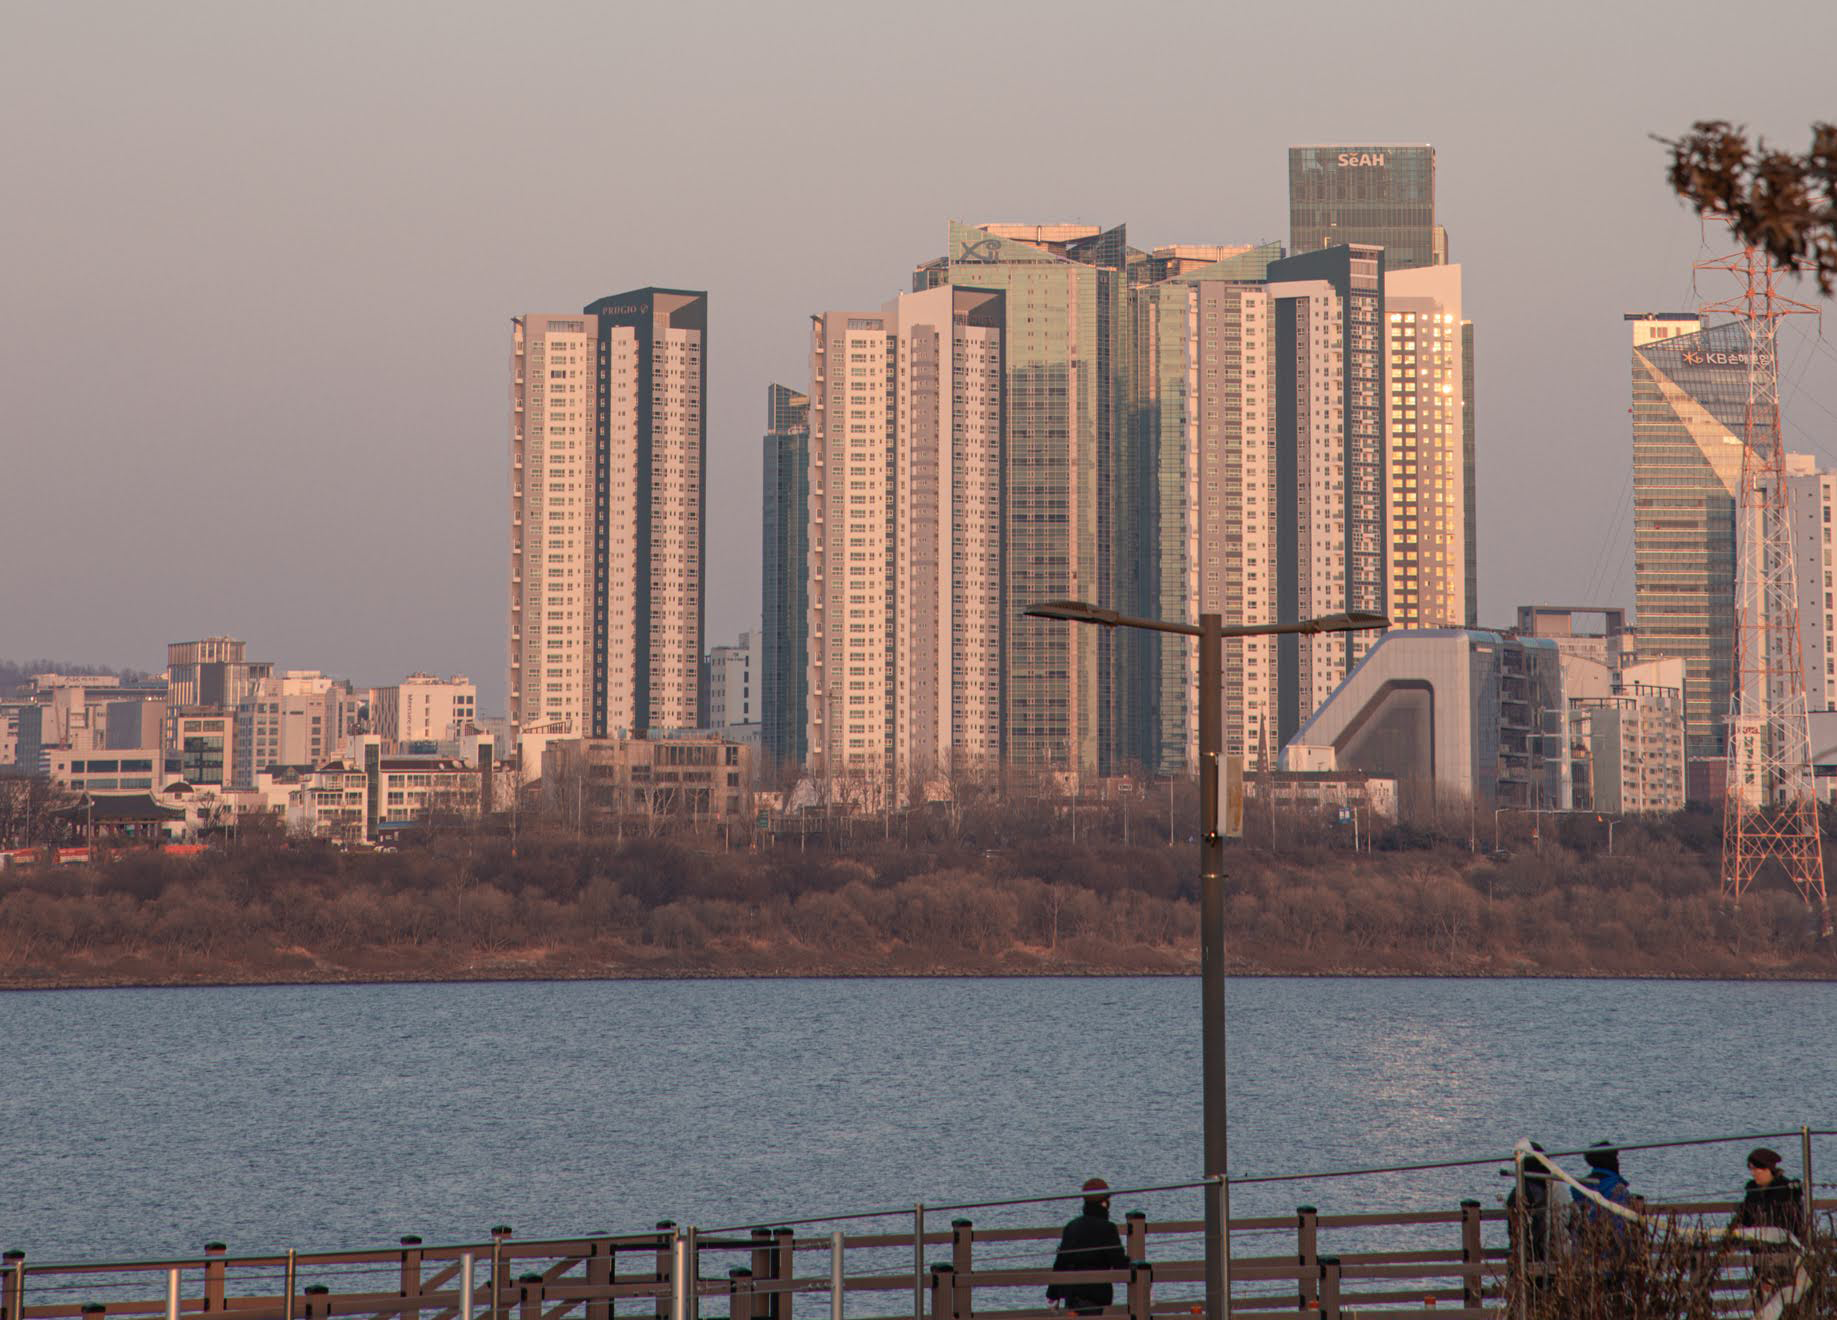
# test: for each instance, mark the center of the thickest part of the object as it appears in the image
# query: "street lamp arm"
(1079, 611)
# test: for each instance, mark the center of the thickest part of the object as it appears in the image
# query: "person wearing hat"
(1773, 1200)
(1604, 1177)
(1089, 1242)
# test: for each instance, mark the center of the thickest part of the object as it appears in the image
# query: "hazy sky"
(258, 262)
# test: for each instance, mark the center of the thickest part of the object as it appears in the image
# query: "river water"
(139, 1123)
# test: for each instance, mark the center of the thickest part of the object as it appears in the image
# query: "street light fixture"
(1211, 630)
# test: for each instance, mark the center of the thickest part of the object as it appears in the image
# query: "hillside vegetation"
(465, 904)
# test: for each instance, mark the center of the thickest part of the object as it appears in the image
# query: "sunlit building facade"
(1689, 403)
(904, 639)
(608, 449)
(1427, 461)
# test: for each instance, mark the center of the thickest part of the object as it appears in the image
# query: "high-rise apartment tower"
(784, 574)
(608, 450)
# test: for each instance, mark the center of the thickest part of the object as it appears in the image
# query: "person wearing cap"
(1773, 1200)
(1089, 1242)
(1603, 1177)
(1533, 1219)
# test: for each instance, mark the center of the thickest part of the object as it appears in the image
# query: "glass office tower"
(1383, 194)
(1689, 403)
(784, 575)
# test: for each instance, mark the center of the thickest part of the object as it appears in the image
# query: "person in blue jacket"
(1604, 1177)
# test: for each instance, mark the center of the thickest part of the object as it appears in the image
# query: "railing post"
(602, 1268)
(942, 1288)
(689, 1273)
(739, 1293)
(1141, 1289)
(665, 1273)
(13, 1298)
(838, 1280)
(1811, 1221)
(918, 1261)
(411, 1274)
(784, 1269)
(213, 1275)
(93, 1309)
(1307, 1253)
(1329, 1288)
(529, 1296)
(318, 1301)
(172, 1291)
(762, 1269)
(498, 1233)
(1135, 1235)
(1470, 1253)
(468, 1267)
(962, 1264)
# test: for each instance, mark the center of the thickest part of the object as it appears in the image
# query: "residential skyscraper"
(1331, 550)
(1380, 193)
(1427, 453)
(784, 578)
(1062, 297)
(905, 623)
(1690, 390)
(608, 450)
(1199, 514)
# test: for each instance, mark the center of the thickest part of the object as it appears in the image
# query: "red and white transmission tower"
(1772, 808)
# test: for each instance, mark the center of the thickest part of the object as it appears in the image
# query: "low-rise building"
(423, 709)
(112, 770)
(688, 779)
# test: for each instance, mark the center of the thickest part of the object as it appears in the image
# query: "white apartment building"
(1809, 497)
(733, 683)
(1231, 505)
(299, 718)
(1426, 524)
(608, 448)
(904, 656)
(423, 708)
(1319, 566)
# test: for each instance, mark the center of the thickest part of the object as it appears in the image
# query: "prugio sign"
(1361, 158)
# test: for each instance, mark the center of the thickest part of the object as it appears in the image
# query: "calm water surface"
(146, 1122)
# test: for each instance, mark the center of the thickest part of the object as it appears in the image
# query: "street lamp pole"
(1212, 968)
(1210, 631)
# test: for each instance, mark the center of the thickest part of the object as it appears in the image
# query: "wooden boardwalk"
(1444, 1263)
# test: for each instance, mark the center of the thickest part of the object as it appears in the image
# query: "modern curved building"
(1456, 716)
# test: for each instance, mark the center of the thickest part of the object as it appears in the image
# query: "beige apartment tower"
(903, 659)
(608, 449)
(1426, 514)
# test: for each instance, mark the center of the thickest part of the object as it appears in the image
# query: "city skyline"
(178, 444)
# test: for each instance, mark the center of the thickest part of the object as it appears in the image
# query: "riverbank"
(472, 908)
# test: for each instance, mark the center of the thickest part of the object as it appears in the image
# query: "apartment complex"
(784, 570)
(732, 674)
(904, 635)
(608, 450)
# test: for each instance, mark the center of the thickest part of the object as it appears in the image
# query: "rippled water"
(146, 1122)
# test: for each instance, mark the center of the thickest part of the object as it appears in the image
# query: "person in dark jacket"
(1089, 1242)
(1533, 1221)
(1773, 1200)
